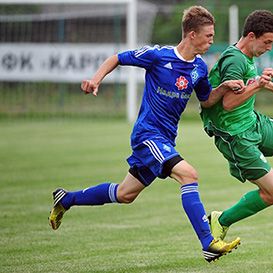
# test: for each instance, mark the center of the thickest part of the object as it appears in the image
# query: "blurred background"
(46, 50)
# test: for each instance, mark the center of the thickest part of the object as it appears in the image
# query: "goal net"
(48, 47)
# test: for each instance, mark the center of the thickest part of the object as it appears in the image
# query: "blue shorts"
(150, 159)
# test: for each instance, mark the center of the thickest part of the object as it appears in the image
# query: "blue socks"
(196, 213)
(97, 195)
(107, 193)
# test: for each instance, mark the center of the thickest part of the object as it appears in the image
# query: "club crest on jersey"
(181, 83)
(194, 75)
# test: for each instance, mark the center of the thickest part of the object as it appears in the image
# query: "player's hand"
(266, 77)
(237, 86)
(89, 86)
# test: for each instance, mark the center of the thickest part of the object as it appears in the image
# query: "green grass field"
(150, 235)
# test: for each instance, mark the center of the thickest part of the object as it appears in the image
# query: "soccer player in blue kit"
(172, 73)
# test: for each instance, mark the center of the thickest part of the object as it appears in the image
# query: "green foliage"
(167, 29)
(18, 9)
(152, 235)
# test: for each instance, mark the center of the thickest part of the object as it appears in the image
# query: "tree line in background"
(167, 28)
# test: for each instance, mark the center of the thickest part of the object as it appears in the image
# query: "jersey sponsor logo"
(172, 94)
(168, 65)
(166, 93)
(181, 83)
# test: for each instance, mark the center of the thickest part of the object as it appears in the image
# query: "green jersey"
(232, 65)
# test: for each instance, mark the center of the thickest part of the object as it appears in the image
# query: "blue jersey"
(169, 83)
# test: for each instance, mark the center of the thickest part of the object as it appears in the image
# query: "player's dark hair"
(196, 17)
(259, 22)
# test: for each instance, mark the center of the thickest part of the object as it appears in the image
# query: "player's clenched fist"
(89, 86)
(266, 77)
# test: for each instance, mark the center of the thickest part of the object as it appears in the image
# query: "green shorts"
(246, 151)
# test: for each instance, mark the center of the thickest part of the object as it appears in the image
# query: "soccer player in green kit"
(242, 135)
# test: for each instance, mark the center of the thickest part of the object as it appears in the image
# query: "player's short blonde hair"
(194, 18)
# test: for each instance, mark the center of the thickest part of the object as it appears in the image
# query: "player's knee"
(194, 175)
(190, 177)
(124, 197)
(184, 173)
(267, 197)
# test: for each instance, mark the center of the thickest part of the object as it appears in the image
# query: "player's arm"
(231, 101)
(91, 86)
(144, 58)
(237, 86)
(208, 96)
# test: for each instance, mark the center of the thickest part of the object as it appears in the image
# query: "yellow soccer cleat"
(218, 248)
(57, 212)
(217, 230)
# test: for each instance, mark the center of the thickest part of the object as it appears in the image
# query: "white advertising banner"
(73, 62)
(58, 62)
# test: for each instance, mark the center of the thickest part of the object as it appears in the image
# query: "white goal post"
(131, 39)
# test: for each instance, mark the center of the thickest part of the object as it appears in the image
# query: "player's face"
(203, 39)
(262, 44)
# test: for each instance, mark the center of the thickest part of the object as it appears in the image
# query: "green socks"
(248, 205)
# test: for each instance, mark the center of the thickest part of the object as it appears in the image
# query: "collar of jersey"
(181, 58)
